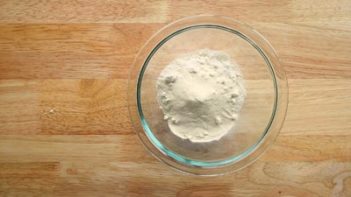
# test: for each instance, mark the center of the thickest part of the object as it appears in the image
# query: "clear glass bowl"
(261, 116)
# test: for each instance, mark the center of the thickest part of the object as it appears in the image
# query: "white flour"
(201, 95)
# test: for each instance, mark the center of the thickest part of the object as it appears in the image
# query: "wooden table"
(64, 125)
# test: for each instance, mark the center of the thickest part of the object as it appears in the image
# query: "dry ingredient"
(201, 95)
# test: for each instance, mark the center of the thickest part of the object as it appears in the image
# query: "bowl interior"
(256, 114)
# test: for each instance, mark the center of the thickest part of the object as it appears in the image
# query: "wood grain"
(107, 51)
(92, 164)
(53, 51)
(66, 11)
(64, 124)
(62, 107)
(285, 11)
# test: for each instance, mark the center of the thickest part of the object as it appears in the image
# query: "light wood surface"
(64, 126)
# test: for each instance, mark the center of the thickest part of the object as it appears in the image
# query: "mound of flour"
(201, 95)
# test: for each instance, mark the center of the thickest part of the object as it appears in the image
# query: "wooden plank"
(66, 11)
(89, 106)
(108, 51)
(310, 52)
(64, 107)
(261, 179)
(318, 107)
(90, 164)
(28, 178)
(310, 148)
(19, 107)
(271, 11)
(35, 11)
(46, 148)
(70, 51)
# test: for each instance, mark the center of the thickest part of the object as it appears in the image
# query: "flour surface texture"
(201, 95)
